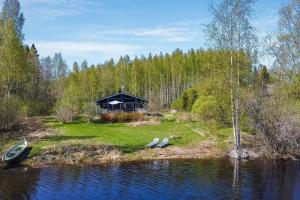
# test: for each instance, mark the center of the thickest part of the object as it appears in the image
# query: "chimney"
(121, 89)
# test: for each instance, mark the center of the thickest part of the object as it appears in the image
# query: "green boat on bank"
(13, 153)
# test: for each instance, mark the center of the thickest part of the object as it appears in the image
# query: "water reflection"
(18, 183)
(236, 179)
(185, 179)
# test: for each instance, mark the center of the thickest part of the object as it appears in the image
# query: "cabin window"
(128, 106)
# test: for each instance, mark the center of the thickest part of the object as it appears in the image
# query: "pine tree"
(75, 67)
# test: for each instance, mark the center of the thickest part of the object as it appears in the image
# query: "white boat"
(13, 153)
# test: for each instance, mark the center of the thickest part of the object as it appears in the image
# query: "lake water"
(176, 179)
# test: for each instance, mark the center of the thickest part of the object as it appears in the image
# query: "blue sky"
(97, 30)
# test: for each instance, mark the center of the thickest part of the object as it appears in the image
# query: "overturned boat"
(14, 153)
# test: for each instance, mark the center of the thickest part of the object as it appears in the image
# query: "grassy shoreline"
(81, 142)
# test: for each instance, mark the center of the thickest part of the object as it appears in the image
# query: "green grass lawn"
(126, 138)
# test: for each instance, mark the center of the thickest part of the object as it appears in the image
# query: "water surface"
(177, 179)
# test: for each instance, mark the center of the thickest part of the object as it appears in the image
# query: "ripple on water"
(180, 179)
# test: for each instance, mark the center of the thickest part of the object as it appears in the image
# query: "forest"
(224, 84)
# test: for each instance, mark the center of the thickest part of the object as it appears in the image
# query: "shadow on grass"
(57, 138)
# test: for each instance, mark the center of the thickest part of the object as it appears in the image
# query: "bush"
(89, 110)
(186, 100)
(274, 124)
(66, 112)
(11, 112)
(206, 107)
(177, 104)
(36, 108)
(108, 117)
(122, 117)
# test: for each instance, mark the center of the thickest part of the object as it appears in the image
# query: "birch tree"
(11, 10)
(230, 29)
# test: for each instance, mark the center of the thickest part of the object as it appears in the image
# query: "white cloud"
(177, 32)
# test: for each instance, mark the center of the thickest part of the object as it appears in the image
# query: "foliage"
(121, 117)
(186, 100)
(89, 110)
(274, 124)
(177, 104)
(207, 107)
(66, 112)
(160, 78)
(293, 87)
(11, 11)
(11, 112)
(36, 108)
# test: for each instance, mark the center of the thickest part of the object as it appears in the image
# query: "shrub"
(206, 107)
(89, 110)
(274, 124)
(138, 117)
(177, 104)
(36, 108)
(186, 100)
(66, 112)
(11, 112)
(108, 117)
(121, 117)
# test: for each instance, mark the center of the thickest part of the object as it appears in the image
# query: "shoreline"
(98, 154)
(110, 156)
(84, 151)
(141, 156)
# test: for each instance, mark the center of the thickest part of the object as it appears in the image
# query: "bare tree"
(274, 123)
(284, 45)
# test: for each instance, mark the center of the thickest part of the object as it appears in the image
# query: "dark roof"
(120, 93)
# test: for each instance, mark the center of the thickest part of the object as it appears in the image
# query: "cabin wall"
(130, 104)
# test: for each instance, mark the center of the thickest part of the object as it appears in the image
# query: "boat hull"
(13, 155)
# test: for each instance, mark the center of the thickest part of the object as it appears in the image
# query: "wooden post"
(108, 104)
(121, 104)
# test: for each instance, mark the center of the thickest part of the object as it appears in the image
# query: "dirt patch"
(144, 123)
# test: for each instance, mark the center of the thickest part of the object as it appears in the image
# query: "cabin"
(122, 102)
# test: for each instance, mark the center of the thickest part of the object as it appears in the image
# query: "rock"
(289, 157)
(239, 154)
(252, 155)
